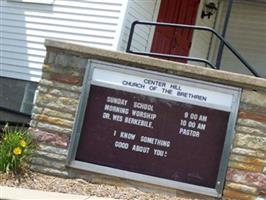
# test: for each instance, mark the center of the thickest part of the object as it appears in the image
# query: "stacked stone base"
(54, 112)
(246, 176)
(50, 160)
(58, 97)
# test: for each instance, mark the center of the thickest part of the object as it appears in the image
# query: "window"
(17, 95)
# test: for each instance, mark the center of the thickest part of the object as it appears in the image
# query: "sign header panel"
(164, 88)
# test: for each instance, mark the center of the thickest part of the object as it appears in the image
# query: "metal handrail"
(224, 42)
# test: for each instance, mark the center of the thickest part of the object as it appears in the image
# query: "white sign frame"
(131, 72)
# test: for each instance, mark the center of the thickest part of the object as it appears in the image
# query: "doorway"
(175, 41)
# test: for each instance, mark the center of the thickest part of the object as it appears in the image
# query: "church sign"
(154, 127)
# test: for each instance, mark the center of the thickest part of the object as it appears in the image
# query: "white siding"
(247, 33)
(24, 27)
(139, 10)
(201, 39)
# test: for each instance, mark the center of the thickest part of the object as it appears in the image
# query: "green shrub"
(16, 147)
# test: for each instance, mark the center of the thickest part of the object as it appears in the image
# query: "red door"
(173, 40)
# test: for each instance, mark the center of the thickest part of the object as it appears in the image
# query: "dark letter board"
(193, 155)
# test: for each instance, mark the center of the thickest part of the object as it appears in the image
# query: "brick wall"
(58, 97)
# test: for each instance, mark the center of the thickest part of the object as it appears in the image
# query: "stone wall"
(246, 175)
(58, 97)
(55, 108)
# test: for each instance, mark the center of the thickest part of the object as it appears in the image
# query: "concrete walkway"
(10, 193)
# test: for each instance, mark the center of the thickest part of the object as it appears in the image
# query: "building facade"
(25, 24)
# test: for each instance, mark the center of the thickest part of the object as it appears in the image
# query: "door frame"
(156, 14)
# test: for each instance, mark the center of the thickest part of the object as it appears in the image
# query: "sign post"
(154, 127)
